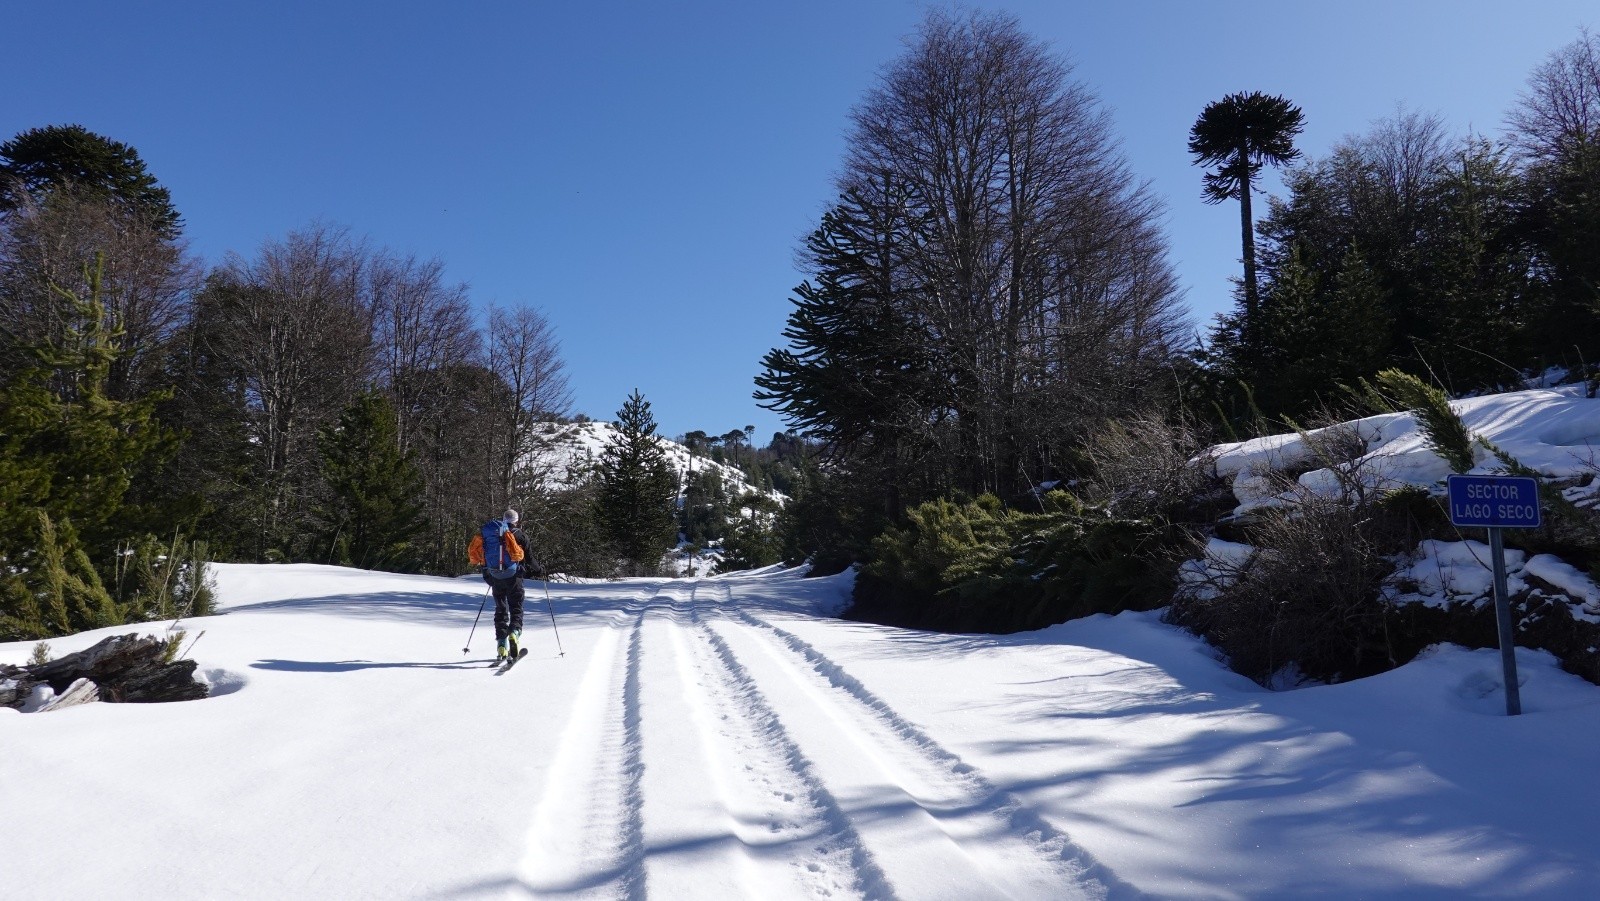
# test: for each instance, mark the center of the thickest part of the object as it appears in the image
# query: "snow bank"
(1555, 431)
(1447, 573)
(1203, 579)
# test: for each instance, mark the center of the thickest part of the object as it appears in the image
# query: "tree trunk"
(82, 691)
(124, 668)
(1248, 239)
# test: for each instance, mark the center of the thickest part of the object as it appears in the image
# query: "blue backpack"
(495, 555)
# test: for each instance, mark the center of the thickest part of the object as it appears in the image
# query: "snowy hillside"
(1555, 431)
(724, 739)
(567, 448)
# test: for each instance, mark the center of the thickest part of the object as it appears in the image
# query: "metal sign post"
(1495, 503)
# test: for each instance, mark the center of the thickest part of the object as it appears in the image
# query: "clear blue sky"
(643, 172)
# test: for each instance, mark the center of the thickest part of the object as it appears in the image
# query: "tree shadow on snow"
(429, 608)
(345, 666)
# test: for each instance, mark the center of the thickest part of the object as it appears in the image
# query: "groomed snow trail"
(790, 778)
(950, 825)
(587, 834)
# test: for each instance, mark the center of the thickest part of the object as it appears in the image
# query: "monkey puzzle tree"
(1239, 134)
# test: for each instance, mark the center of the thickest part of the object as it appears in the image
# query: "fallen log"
(15, 685)
(124, 669)
(80, 692)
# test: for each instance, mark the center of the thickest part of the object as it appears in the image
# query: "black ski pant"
(508, 597)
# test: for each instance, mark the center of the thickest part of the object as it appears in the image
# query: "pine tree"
(637, 491)
(68, 447)
(752, 542)
(377, 508)
(49, 587)
(67, 454)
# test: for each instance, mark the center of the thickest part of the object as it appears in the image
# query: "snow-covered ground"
(724, 738)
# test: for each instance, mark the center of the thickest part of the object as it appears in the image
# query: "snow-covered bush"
(1332, 536)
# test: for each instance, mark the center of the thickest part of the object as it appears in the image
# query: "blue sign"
(1494, 502)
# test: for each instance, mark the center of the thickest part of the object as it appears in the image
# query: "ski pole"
(552, 609)
(476, 618)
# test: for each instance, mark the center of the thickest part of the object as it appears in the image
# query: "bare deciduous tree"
(147, 282)
(427, 352)
(524, 353)
(1559, 114)
(422, 326)
(1016, 239)
(296, 324)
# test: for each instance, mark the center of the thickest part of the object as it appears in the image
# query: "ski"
(510, 662)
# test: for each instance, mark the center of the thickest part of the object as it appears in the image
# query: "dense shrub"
(1307, 599)
(976, 566)
(156, 580)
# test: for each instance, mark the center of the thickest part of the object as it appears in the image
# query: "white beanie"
(511, 517)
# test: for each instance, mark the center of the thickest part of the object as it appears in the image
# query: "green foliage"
(1567, 530)
(707, 507)
(41, 160)
(40, 655)
(833, 514)
(376, 511)
(637, 492)
(68, 456)
(976, 566)
(156, 580)
(48, 586)
(170, 648)
(568, 532)
(751, 544)
(1239, 134)
(860, 367)
(1443, 431)
(1401, 249)
(65, 447)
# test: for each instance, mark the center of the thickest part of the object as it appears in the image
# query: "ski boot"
(516, 643)
(500, 651)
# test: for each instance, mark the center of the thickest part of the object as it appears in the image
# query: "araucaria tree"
(637, 491)
(993, 281)
(42, 161)
(1239, 134)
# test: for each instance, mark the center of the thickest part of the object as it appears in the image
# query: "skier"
(501, 549)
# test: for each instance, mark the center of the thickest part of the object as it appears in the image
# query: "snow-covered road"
(724, 738)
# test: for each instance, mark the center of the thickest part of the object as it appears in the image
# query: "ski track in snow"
(779, 730)
(1023, 854)
(780, 809)
(587, 838)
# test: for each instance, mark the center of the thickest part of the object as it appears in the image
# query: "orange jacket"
(475, 549)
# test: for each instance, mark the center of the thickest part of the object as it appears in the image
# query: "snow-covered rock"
(1555, 431)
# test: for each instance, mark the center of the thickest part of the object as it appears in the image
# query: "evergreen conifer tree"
(67, 452)
(65, 447)
(377, 509)
(637, 491)
(41, 160)
(1238, 134)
